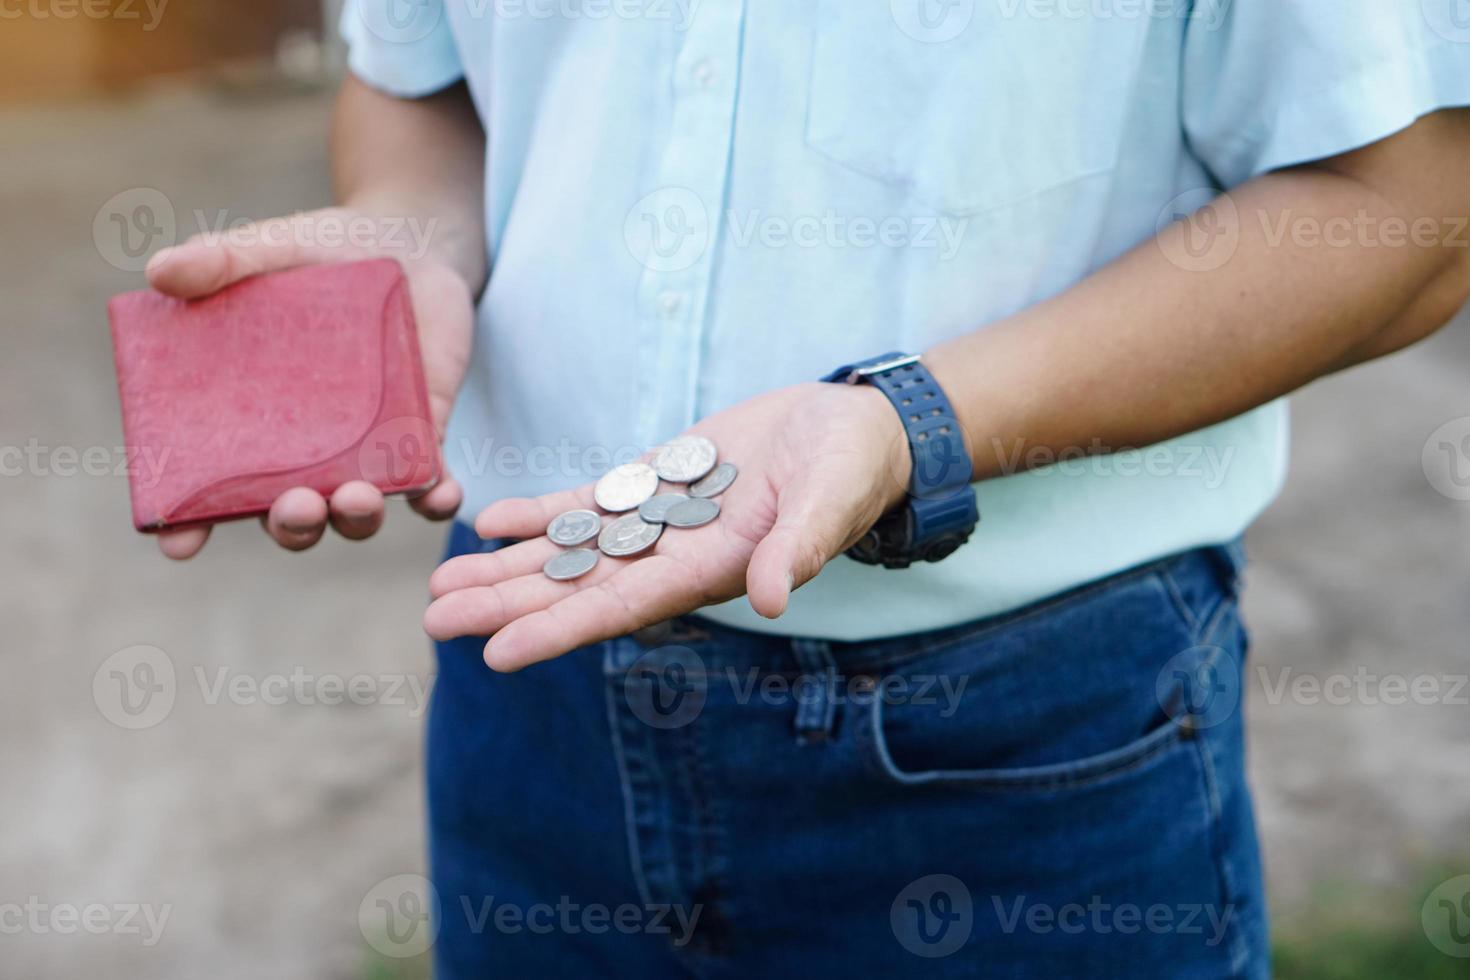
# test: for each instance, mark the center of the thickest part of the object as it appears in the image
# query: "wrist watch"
(940, 512)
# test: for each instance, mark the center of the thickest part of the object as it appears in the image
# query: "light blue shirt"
(692, 201)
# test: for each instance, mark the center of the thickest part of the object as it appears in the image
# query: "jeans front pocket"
(1103, 765)
(1077, 689)
(1046, 764)
(996, 107)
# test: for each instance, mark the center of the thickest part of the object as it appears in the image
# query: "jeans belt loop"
(815, 690)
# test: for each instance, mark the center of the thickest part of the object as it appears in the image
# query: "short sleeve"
(403, 49)
(1273, 83)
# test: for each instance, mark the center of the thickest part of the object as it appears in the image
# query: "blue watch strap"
(941, 499)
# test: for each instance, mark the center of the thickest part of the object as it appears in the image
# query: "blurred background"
(237, 816)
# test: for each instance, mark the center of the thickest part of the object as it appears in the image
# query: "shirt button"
(669, 303)
(704, 73)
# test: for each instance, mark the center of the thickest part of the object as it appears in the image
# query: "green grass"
(1347, 954)
(1353, 935)
(379, 967)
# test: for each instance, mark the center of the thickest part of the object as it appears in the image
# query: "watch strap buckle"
(892, 363)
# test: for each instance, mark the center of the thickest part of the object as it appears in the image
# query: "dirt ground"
(262, 826)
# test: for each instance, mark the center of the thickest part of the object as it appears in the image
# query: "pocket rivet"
(864, 684)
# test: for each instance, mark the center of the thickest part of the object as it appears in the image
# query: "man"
(1024, 759)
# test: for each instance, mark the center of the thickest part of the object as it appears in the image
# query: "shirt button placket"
(686, 209)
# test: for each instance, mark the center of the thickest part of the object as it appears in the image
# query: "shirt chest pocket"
(969, 105)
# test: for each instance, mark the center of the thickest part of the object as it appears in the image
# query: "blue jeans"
(1058, 792)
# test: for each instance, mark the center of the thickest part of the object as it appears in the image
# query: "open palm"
(819, 464)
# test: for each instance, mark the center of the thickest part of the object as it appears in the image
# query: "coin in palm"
(571, 564)
(694, 512)
(655, 509)
(717, 482)
(686, 459)
(573, 528)
(627, 536)
(624, 487)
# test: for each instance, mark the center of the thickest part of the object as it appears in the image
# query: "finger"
(638, 594)
(206, 264)
(475, 571)
(811, 527)
(193, 269)
(440, 502)
(481, 611)
(357, 510)
(526, 517)
(297, 519)
(184, 543)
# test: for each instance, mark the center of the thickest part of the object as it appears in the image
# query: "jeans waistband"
(1199, 578)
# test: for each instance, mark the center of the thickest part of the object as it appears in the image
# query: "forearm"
(416, 158)
(1148, 349)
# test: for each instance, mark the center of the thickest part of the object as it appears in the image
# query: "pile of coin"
(631, 490)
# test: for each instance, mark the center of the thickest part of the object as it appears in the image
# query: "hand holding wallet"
(309, 377)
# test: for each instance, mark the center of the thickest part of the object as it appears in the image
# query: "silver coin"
(573, 528)
(717, 482)
(655, 509)
(627, 536)
(686, 459)
(694, 512)
(625, 487)
(571, 564)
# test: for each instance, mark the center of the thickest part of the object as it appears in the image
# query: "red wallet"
(304, 378)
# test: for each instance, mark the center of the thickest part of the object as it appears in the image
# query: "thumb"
(815, 517)
(209, 262)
